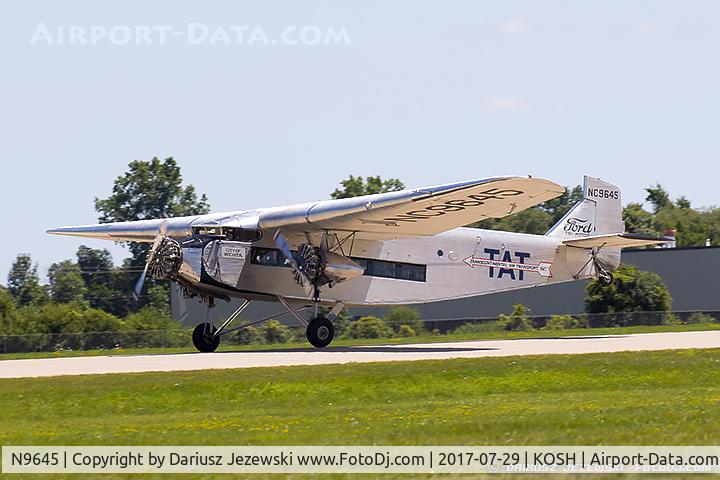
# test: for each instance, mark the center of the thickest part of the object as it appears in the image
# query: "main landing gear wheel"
(606, 279)
(203, 338)
(320, 332)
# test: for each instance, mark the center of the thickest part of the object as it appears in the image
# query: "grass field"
(453, 337)
(666, 397)
(655, 398)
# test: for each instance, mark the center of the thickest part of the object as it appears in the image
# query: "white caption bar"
(361, 459)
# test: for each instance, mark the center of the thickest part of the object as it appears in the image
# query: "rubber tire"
(320, 332)
(606, 281)
(202, 342)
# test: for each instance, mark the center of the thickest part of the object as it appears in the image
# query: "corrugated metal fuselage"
(463, 262)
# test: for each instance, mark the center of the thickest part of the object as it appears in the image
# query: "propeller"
(159, 236)
(300, 274)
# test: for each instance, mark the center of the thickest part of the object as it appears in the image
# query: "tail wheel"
(203, 338)
(320, 332)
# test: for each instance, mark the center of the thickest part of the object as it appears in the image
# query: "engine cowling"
(167, 259)
(323, 267)
(192, 260)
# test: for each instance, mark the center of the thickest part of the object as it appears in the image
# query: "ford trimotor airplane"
(390, 248)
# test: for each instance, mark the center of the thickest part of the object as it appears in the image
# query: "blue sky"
(424, 91)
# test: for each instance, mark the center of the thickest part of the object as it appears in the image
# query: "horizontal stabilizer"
(616, 240)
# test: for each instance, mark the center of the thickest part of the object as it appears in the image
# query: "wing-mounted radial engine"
(314, 267)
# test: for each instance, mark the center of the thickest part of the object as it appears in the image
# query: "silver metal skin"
(413, 239)
(340, 268)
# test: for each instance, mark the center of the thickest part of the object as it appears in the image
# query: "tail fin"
(598, 213)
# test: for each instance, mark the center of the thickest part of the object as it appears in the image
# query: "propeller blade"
(153, 249)
(162, 231)
(282, 244)
(284, 247)
(140, 283)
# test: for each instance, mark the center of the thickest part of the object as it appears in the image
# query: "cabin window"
(273, 257)
(406, 271)
(398, 270)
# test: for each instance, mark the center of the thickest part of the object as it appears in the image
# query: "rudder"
(598, 213)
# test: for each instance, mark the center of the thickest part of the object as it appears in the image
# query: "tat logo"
(578, 226)
(507, 266)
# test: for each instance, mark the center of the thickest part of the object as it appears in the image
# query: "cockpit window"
(267, 256)
(242, 235)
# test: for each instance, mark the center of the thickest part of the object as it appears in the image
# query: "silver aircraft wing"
(415, 212)
(146, 230)
(137, 231)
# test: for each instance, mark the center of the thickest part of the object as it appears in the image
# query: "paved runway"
(44, 367)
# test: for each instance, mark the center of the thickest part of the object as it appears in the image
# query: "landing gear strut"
(319, 331)
(604, 276)
(206, 338)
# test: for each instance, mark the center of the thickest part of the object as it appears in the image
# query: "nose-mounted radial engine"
(209, 265)
(210, 261)
(166, 260)
(204, 264)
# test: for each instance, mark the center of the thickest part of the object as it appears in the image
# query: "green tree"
(561, 322)
(536, 220)
(55, 326)
(107, 286)
(533, 220)
(557, 207)
(401, 316)
(248, 336)
(658, 197)
(149, 189)
(692, 227)
(518, 320)
(633, 290)
(368, 327)
(149, 318)
(341, 322)
(73, 317)
(275, 332)
(682, 202)
(357, 186)
(637, 220)
(157, 297)
(23, 282)
(150, 327)
(66, 282)
(7, 310)
(96, 265)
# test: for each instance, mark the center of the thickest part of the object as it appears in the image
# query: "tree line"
(91, 283)
(693, 226)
